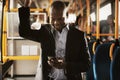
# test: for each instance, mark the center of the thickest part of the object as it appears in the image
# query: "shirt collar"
(53, 29)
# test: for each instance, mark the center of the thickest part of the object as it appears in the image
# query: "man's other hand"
(57, 63)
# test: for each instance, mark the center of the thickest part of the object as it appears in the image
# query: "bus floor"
(33, 78)
(20, 78)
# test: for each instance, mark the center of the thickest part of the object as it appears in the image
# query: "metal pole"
(116, 18)
(88, 16)
(4, 1)
(98, 24)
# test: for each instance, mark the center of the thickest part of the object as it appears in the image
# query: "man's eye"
(59, 18)
(53, 19)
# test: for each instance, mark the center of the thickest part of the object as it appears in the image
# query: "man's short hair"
(58, 6)
(110, 17)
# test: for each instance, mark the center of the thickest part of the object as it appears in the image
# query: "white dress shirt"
(60, 43)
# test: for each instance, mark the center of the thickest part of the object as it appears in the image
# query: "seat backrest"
(101, 62)
(91, 44)
(115, 65)
(89, 75)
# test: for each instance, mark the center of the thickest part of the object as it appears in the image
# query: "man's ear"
(65, 12)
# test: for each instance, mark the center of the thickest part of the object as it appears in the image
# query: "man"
(81, 22)
(107, 27)
(64, 52)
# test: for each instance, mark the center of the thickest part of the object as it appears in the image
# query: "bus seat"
(115, 65)
(101, 62)
(112, 47)
(89, 75)
(91, 44)
(92, 47)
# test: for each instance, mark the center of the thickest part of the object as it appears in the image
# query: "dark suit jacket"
(76, 56)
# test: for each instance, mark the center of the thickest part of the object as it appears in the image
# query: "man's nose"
(56, 22)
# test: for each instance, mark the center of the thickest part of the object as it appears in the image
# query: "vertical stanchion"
(116, 18)
(1, 37)
(88, 16)
(116, 22)
(98, 23)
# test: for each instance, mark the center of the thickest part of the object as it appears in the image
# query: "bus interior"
(19, 57)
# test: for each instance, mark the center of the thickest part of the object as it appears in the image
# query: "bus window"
(105, 11)
(107, 23)
(93, 16)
